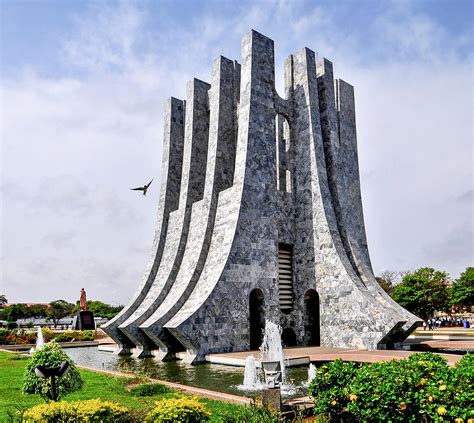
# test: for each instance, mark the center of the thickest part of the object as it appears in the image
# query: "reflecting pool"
(209, 376)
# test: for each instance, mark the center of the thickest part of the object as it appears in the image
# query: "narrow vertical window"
(285, 277)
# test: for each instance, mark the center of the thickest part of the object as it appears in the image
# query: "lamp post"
(44, 372)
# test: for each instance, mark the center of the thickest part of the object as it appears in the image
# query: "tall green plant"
(51, 355)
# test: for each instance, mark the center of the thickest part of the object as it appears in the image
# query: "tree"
(423, 292)
(38, 310)
(101, 309)
(14, 312)
(462, 291)
(384, 284)
(3, 300)
(59, 309)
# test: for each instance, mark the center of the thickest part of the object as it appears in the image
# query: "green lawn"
(105, 387)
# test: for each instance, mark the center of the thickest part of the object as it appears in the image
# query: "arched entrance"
(257, 318)
(311, 301)
(288, 337)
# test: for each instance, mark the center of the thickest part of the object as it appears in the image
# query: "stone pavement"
(302, 355)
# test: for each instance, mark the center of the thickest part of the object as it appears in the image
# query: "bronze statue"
(82, 300)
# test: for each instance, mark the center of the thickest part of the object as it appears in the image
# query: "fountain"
(39, 341)
(251, 380)
(271, 349)
(311, 372)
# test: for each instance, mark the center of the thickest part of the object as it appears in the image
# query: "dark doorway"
(172, 342)
(288, 337)
(257, 318)
(311, 301)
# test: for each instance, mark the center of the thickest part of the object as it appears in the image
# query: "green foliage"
(246, 414)
(329, 388)
(106, 387)
(77, 335)
(20, 337)
(12, 325)
(423, 292)
(179, 410)
(101, 309)
(150, 389)
(420, 388)
(93, 410)
(51, 355)
(59, 309)
(462, 291)
(14, 312)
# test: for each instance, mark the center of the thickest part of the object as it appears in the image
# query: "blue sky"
(83, 87)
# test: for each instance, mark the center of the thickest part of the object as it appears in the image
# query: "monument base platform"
(83, 320)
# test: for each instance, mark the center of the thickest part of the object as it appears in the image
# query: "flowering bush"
(93, 410)
(179, 410)
(51, 355)
(420, 388)
(330, 388)
(21, 337)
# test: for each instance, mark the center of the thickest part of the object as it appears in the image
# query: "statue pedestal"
(83, 320)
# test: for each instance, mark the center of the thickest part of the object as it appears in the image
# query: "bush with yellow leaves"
(178, 410)
(93, 410)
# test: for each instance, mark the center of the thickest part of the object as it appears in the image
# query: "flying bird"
(144, 188)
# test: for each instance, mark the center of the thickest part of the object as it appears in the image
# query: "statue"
(84, 319)
(82, 300)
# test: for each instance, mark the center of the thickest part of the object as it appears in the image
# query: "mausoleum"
(260, 218)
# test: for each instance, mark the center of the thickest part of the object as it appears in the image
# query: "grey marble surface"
(252, 170)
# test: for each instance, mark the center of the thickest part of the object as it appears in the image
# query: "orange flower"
(333, 403)
(403, 406)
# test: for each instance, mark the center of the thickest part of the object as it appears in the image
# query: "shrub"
(247, 414)
(93, 410)
(420, 388)
(77, 335)
(395, 390)
(462, 394)
(3, 336)
(178, 410)
(330, 388)
(48, 334)
(10, 337)
(12, 325)
(150, 389)
(51, 355)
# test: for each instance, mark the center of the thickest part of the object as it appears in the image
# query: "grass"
(106, 387)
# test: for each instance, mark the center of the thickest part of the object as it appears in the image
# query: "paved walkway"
(299, 355)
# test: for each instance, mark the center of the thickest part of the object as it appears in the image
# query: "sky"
(83, 84)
